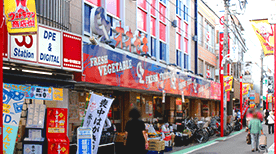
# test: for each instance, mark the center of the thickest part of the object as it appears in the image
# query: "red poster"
(56, 122)
(72, 52)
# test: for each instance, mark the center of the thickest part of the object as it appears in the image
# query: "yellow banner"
(264, 32)
(21, 16)
(228, 82)
(58, 94)
(269, 98)
(245, 88)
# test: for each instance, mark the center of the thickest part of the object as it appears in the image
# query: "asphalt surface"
(233, 144)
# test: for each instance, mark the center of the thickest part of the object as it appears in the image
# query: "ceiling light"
(37, 72)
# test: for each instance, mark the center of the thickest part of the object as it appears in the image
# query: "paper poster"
(32, 149)
(85, 140)
(58, 94)
(56, 120)
(12, 108)
(95, 118)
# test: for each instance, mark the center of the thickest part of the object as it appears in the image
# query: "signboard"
(58, 94)
(245, 88)
(32, 92)
(95, 117)
(56, 121)
(120, 68)
(228, 82)
(264, 32)
(49, 43)
(12, 108)
(32, 149)
(23, 47)
(234, 50)
(21, 16)
(71, 59)
(48, 47)
(84, 140)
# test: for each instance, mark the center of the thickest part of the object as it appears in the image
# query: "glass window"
(178, 8)
(162, 51)
(95, 2)
(152, 26)
(113, 7)
(200, 29)
(142, 4)
(186, 59)
(87, 12)
(186, 30)
(209, 37)
(179, 24)
(152, 10)
(177, 5)
(142, 20)
(185, 46)
(178, 58)
(162, 10)
(186, 13)
(178, 41)
(153, 47)
(162, 31)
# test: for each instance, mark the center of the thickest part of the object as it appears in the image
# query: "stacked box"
(156, 145)
(120, 137)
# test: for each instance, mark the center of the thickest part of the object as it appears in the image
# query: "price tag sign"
(84, 140)
(43, 93)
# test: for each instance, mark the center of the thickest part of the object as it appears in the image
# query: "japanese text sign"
(228, 82)
(12, 107)
(56, 122)
(21, 16)
(49, 46)
(264, 32)
(84, 140)
(95, 118)
(58, 94)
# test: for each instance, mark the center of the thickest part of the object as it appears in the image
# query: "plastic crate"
(167, 149)
(155, 152)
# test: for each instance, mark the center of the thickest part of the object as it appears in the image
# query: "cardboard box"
(120, 137)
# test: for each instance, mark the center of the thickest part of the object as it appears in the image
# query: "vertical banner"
(264, 32)
(84, 140)
(228, 82)
(21, 16)
(95, 117)
(12, 107)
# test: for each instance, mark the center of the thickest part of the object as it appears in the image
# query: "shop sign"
(12, 108)
(122, 38)
(57, 94)
(95, 119)
(21, 16)
(84, 140)
(56, 122)
(245, 88)
(264, 32)
(72, 59)
(49, 46)
(228, 82)
(32, 92)
(117, 68)
(23, 47)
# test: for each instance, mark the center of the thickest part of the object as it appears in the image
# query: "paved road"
(234, 144)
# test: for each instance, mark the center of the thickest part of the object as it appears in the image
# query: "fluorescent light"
(37, 72)
(6, 68)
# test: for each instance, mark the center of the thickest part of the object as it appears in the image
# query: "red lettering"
(145, 48)
(118, 37)
(29, 14)
(24, 43)
(15, 24)
(31, 23)
(137, 44)
(12, 16)
(33, 15)
(23, 23)
(128, 40)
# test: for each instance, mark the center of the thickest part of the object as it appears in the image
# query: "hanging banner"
(95, 117)
(21, 16)
(245, 88)
(32, 92)
(264, 32)
(228, 82)
(12, 107)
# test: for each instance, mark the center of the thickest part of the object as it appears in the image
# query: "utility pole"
(261, 82)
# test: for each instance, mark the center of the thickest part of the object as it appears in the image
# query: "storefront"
(40, 68)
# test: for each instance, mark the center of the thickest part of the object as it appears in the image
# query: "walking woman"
(270, 121)
(136, 134)
(255, 127)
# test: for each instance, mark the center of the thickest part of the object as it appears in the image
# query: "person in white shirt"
(270, 119)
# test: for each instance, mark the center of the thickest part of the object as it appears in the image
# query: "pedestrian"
(255, 127)
(136, 134)
(270, 121)
(266, 115)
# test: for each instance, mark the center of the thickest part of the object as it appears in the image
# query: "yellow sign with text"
(245, 88)
(58, 94)
(21, 16)
(228, 82)
(264, 32)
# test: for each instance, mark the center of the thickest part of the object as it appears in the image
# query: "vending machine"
(56, 131)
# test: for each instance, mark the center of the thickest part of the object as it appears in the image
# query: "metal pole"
(241, 99)
(266, 101)
(1, 75)
(221, 102)
(196, 40)
(274, 85)
(261, 82)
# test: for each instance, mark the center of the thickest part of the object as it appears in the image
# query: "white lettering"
(100, 70)
(140, 72)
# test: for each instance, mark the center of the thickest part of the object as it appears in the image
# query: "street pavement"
(232, 144)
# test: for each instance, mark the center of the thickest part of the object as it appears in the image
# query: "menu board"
(36, 116)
